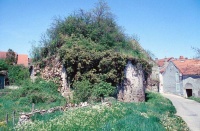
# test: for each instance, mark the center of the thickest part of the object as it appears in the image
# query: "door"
(1, 82)
(189, 92)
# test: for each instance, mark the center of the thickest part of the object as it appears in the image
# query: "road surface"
(189, 110)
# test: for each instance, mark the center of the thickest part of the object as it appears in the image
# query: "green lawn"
(156, 114)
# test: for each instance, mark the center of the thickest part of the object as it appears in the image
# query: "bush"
(97, 29)
(3, 65)
(39, 92)
(82, 91)
(17, 74)
(103, 89)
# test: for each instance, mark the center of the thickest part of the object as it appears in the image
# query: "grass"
(157, 113)
(197, 99)
(43, 94)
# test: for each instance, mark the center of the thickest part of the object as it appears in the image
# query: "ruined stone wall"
(131, 90)
(133, 87)
(53, 70)
(154, 79)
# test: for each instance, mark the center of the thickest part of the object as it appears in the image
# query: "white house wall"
(195, 82)
(161, 83)
(169, 80)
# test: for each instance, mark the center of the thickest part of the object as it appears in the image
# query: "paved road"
(189, 110)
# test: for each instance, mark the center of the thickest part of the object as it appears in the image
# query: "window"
(177, 87)
(177, 77)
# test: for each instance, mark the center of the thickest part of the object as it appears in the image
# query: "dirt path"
(189, 110)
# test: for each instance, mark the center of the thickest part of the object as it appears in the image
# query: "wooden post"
(13, 118)
(33, 107)
(6, 118)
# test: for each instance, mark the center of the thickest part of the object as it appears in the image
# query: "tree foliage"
(17, 74)
(11, 57)
(3, 65)
(98, 25)
(197, 50)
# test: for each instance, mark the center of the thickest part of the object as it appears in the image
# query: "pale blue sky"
(165, 27)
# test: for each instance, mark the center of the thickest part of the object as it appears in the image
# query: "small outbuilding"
(3, 75)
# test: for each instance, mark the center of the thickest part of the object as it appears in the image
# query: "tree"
(197, 50)
(11, 58)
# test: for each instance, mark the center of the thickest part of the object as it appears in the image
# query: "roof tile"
(188, 66)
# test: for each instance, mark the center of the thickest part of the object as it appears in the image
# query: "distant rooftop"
(185, 66)
(188, 66)
(22, 59)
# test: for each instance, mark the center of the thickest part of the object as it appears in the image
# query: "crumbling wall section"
(53, 69)
(133, 87)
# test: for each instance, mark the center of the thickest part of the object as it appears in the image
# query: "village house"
(162, 64)
(182, 77)
(22, 59)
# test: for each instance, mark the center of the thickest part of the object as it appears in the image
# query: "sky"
(167, 28)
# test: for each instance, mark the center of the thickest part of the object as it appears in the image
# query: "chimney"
(165, 59)
(181, 57)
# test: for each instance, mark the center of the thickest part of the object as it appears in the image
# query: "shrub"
(17, 74)
(39, 92)
(3, 65)
(103, 89)
(82, 91)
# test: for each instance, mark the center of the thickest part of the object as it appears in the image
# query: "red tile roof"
(161, 62)
(22, 60)
(188, 66)
(2, 55)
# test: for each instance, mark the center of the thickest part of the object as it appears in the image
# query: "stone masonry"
(132, 89)
(55, 71)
